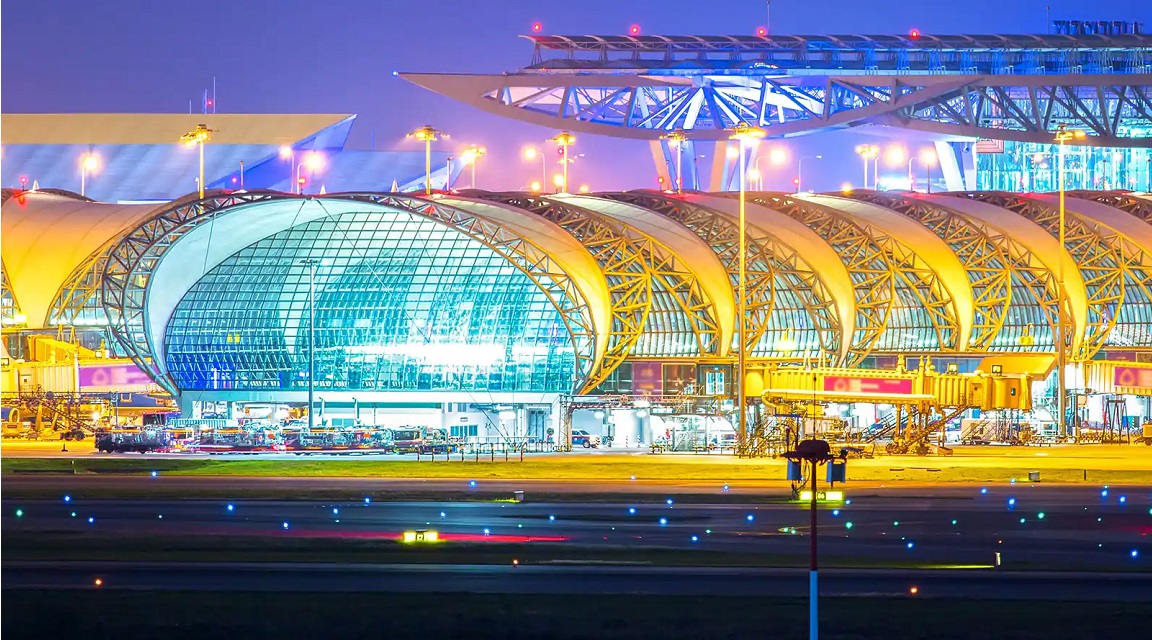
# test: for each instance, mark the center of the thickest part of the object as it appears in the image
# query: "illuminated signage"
(867, 385)
(1097, 27)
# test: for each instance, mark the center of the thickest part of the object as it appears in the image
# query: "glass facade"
(1035, 167)
(401, 303)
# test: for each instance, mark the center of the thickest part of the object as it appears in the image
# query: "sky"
(337, 56)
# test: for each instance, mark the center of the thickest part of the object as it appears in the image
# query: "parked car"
(581, 438)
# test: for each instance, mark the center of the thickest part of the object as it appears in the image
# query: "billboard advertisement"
(114, 376)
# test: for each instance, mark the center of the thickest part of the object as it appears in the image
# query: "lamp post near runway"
(1063, 135)
(428, 135)
(311, 263)
(746, 135)
(197, 138)
(815, 453)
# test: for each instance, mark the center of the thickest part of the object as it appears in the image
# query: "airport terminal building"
(479, 310)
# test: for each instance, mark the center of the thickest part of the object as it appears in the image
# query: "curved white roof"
(45, 236)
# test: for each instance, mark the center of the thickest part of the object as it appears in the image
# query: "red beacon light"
(634, 30)
(761, 31)
(915, 33)
(536, 27)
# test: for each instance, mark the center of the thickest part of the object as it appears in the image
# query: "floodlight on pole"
(196, 138)
(427, 135)
(89, 163)
(1063, 136)
(289, 154)
(470, 157)
(530, 154)
(676, 139)
(800, 170)
(746, 135)
(564, 139)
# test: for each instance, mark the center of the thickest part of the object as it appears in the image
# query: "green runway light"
(1040, 515)
(19, 513)
(847, 525)
(953, 523)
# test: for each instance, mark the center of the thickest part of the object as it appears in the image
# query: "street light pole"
(472, 156)
(564, 139)
(800, 170)
(311, 264)
(1063, 135)
(676, 139)
(815, 452)
(427, 135)
(744, 134)
(197, 137)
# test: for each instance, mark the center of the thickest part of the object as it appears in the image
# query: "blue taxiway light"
(91, 520)
(663, 521)
(472, 483)
(984, 490)
(751, 517)
(67, 498)
(1123, 499)
(911, 544)
(443, 515)
(231, 508)
(284, 524)
(835, 512)
(367, 500)
(1134, 553)
(335, 511)
(631, 511)
(551, 518)
(153, 474)
(695, 539)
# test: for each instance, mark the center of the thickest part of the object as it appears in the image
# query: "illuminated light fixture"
(196, 138)
(1026, 339)
(634, 30)
(786, 343)
(421, 535)
(537, 27)
(997, 368)
(558, 180)
(846, 187)
(563, 140)
(778, 156)
(585, 189)
(915, 33)
(427, 134)
(822, 496)
(536, 186)
(761, 31)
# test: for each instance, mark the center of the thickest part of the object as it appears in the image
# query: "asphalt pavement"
(583, 580)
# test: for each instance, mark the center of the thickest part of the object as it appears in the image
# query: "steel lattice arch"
(515, 293)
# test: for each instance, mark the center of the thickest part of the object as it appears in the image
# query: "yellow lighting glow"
(846, 187)
(314, 162)
(822, 496)
(778, 156)
(90, 162)
(530, 153)
(928, 157)
(536, 186)
(286, 152)
(585, 188)
(895, 155)
(423, 535)
(558, 180)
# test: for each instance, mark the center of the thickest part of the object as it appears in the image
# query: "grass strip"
(606, 467)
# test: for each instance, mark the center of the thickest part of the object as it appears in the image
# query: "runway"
(576, 580)
(1036, 527)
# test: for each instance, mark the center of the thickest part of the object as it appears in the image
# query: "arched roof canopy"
(901, 304)
(47, 236)
(694, 253)
(790, 250)
(936, 254)
(1038, 243)
(179, 247)
(676, 320)
(1014, 293)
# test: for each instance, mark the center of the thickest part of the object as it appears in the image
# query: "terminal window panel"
(401, 303)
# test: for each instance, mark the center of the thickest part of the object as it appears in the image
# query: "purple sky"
(338, 56)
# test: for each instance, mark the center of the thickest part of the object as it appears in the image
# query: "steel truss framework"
(630, 260)
(1000, 87)
(773, 271)
(136, 255)
(79, 300)
(1115, 271)
(886, 274)
(1002, 273)
(1135, 205)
